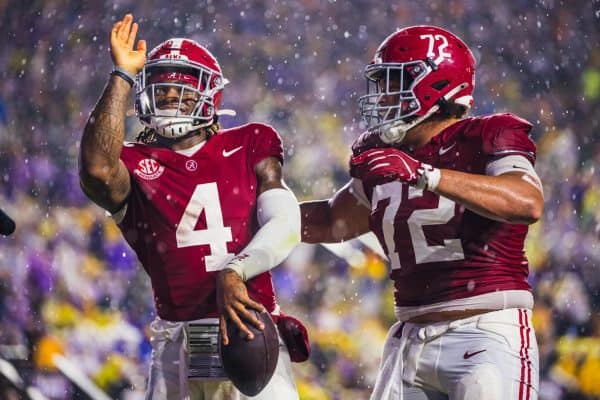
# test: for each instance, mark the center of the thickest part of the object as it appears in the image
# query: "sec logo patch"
(149, 169)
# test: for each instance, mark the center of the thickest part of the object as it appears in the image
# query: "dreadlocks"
(147, 136)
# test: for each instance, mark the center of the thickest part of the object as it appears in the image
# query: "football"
(250, 364)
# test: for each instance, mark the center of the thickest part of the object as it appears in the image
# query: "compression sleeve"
(278, 215)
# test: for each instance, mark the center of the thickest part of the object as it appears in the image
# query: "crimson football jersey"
(187, 216)
(438, 250)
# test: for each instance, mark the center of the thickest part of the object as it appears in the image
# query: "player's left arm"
(514, 197)
(278, 215)
(509, 191)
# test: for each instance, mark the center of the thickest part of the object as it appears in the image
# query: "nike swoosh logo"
(230, 152)
(447, 149)
(469, 355)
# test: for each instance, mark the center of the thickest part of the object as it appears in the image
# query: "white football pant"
(169, 367)
(491, 356)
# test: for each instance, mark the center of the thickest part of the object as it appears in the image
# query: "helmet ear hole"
(439, 85)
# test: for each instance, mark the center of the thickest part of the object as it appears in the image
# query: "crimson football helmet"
(179, 89)
(413, 72)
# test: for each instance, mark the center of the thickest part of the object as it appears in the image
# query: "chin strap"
(171, 126)
(174, 127)
(228, 112)
(395, 133)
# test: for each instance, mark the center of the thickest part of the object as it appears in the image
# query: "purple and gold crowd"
(70, 287)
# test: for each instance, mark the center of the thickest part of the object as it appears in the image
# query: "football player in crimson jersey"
(203, 211)
(449, 197)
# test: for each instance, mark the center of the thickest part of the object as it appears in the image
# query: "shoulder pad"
(504, 134)
(262, 138)
(502, 121)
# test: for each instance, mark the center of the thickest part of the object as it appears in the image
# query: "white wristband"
(430, 178)
(433, 179)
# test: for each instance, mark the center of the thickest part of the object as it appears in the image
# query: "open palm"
(122, 39)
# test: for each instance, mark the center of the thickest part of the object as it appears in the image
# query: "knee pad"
(482, 382)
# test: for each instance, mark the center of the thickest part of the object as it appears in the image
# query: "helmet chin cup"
(395, 133)
(392, 134)
(173, 127)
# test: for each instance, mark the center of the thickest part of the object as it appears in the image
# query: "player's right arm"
(340, 218)
(103, 176)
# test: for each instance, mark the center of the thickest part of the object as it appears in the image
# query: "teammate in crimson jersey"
(449, 199)
(205, 209)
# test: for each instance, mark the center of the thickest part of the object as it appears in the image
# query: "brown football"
(250, 364)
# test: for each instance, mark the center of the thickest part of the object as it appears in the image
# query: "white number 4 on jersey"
(216, 235)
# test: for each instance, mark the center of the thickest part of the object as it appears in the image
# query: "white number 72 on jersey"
(451, 250)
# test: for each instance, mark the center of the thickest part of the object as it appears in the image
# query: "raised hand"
(122, 39)
(233, 301)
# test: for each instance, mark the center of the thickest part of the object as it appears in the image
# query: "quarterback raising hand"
(122, 39)
(207, 213)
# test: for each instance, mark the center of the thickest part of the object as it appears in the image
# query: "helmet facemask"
(175, 98)
(391, 102)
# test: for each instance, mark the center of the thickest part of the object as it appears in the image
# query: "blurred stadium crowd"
(69, 285)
